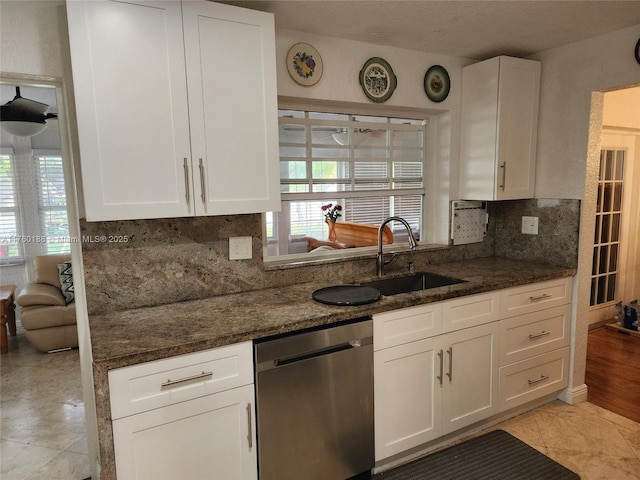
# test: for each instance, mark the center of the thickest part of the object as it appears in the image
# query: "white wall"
(570, 123)
(622, 108)
(343, 59)
(569, 75)
(33, 38)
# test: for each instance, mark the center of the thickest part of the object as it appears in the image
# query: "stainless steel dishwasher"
(315, 403)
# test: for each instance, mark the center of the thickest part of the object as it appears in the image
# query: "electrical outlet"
(239, 248)
(530, 225)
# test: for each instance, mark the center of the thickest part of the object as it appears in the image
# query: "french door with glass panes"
(612, 228)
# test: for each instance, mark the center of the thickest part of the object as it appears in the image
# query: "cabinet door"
(231, 76)
(407, 397)
(498, 134)
(470, 380)
(518, 126)
(210, 437)
(131, 103)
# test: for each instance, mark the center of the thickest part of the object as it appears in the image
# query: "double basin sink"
(411, 283)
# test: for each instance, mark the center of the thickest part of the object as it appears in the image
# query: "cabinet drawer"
(534, 297)
(533, 334)
(156, 384)
(470, 311)
(536, 377)
(406, 325)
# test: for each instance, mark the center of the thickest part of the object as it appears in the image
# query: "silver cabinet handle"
(540, 297)
(202, 194)
(544, 333)
(195, 378)
(441, 355)
(503, 166)
(250, 434)
(185, 166)
(450, 373)
(538, 380)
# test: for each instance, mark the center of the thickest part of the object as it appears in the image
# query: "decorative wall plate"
(637, 51)
(377, 80)
(437, 83)
(304, 64)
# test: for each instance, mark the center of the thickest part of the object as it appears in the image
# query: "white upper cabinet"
(232, 88)
(499, 129)
(176, 106)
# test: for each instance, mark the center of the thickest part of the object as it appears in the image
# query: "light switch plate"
(530, 225)
(239, 248)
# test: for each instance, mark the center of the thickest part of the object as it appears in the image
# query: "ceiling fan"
(23, 117)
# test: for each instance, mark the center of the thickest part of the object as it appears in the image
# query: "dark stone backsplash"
(558, 229)
(154, 262)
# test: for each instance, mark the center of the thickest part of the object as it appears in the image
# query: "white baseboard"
(573, 395)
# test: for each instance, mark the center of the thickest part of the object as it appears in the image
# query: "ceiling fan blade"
(29, 107)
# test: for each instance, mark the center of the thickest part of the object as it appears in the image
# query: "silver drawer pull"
(195, 378)
(541, 297)
(186, 179)
(441, 355)
(202, 185)
(544, 333)
(538, 380)
(250, 434)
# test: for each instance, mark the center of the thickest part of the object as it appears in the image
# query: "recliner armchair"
(47, 317)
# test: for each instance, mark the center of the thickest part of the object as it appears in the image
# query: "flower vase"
(332, 230)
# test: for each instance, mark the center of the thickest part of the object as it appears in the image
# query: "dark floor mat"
(496, 455)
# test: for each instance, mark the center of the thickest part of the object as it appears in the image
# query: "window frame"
(62, 241)
(9, 152)
(436, 178)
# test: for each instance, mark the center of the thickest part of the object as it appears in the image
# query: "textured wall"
(569, 75)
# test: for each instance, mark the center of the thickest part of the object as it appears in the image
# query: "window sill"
(286, 262)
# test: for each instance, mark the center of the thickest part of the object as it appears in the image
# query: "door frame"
(618, 139)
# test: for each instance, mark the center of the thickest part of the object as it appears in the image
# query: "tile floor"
(42, 432)
(42, 424)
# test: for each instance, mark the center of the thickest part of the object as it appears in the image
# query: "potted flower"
(331, 214)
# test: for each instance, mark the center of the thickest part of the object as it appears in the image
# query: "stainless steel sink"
(411, 283)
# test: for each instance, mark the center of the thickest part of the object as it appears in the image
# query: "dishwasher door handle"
(282, 361)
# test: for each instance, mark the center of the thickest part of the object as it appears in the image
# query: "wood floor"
(613, 371)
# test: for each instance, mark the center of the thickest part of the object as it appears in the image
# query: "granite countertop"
(145, 334)
(133, 336)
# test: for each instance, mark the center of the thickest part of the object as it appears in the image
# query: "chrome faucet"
(380, 262)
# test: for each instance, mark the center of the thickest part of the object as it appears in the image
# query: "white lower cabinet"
(407, 397)
(470, 382)
(427, 388)
(443, 366)
(208, 437)
(534, 356)
(190, 416)
(533, 378)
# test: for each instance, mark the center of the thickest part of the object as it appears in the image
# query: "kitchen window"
(372, 166)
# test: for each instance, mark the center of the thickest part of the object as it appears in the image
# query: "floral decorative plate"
(377, 80)
(437, 83)
(304, 64)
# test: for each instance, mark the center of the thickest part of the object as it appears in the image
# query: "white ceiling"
(474, 29)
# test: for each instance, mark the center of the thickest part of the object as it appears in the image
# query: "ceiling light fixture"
(23, 117)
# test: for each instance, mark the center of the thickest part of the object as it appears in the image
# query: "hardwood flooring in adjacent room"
(613, 371)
